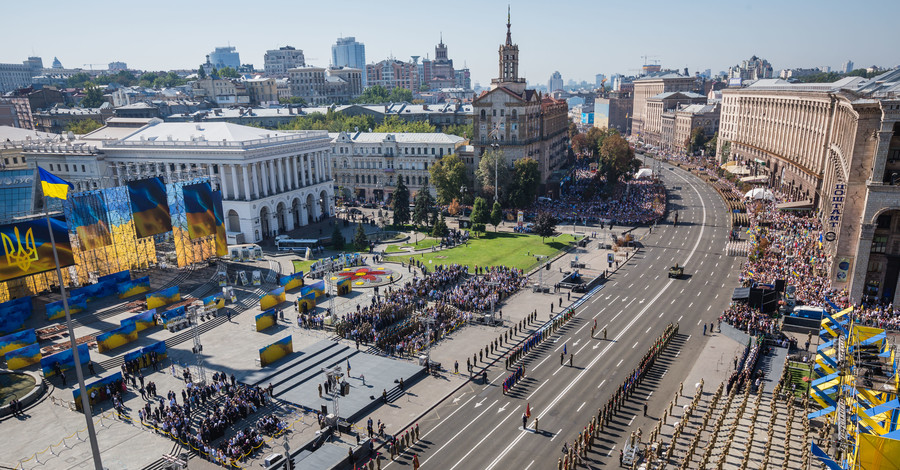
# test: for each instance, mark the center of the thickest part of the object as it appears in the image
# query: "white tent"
(643, 173)
(760, 193)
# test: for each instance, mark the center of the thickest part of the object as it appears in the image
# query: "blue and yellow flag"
(52, 185)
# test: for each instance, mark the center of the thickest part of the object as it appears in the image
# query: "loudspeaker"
(779, 285)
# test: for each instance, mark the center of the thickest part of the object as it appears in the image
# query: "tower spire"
(508, 25)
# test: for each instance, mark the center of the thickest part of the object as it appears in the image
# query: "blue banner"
(66, 359)
(17, 340)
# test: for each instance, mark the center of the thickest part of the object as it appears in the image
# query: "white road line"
(458, 433)
(611, 451)
(673, 301)
(717, 296)
(679, 318)
(649, 395)
(661, 314)
(580, 407)
(601, 383)
(555, 434)
(707, 308)
(483, 438)
(529, 465)
(635, 344)
(691, 305)
(620, 362)
(632, 420)
(699, 321)
(603, 352)
(648, 329)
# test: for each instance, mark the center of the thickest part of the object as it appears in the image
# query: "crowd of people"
(479, 293)
(634, 202)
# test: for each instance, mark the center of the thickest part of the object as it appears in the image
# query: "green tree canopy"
(201, 72)
(440, 228)
(93, 97)
(696, 140)
(466, 131)
(617, 159)
(496, 215)
(83, 126)
(78, 80)
(525, 181)
(359, 238)
(337, 238)
(331, 122)
(479, 211)
(292, 100)
(422, 206)
(711, 145)
(400, 204)
(448, 175)
(544, 224)
(228, 72)
(485, 174)
(395, 124)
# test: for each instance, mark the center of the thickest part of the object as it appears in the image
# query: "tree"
(400, 204)
(376, 94)
(453, 208)
(525, 181)
(544, 224)
(440, 228)
(726, 151)
(359, 239)
(93, 97)
(400, 95)
(396, 124)
(496, 215)
(292, 100)
(337, 238)
(485, 174)
(711, 145)
(479, 211)
(201, 72)
(616, 160)
(78, 80)
(422, 206)
(228, 72)
(83, 126)
(466, 131)
(448, 175)
(696, 140)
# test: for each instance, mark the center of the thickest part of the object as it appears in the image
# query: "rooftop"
(400, 137)
(208, 134)
(14, 135)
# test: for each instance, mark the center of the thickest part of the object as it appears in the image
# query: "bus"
(292, 244)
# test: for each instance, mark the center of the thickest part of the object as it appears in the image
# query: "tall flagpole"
(85, 401)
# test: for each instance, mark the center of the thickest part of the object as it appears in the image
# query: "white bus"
(291, 244)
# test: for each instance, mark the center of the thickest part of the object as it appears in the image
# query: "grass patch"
(423, 244)
(515, 250)
(799, 370)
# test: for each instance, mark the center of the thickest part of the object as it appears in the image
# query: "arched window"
(483, 114)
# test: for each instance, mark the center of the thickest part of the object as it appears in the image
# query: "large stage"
(296, 378)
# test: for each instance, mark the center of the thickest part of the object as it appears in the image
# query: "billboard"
(24, 357)
(163, 297)
(115, 278)
(217, 300)
(273, 298)
(113, 381)
(56, 310)
(17, 340)
(149, 207)
(27, 249)
(266, 319)
(276, 350)
(14, 313)
(343, 286)
(65, 359)
(601, 114)
(144, 353)
(118, 337)
(198, 206)
(221, 241)
(137, 286)
(306, 302)
(96, 291)
(291, 281)
(90, 221)
(173, 314)
(141, 321)
(318, 288)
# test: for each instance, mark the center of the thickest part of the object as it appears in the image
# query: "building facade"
(656, 106)
(14, 76)
(648, 87)
(752, 69)
(347, 52)
(262, 91)
(277, 62)
(678, 124)
(369, 165)
(225, 57)
(555, 82)
(837, 146)
(222, 92)
(393, 73)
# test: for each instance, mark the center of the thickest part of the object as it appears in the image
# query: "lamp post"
(495, 147)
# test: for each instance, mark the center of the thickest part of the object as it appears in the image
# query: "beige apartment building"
(648, 87)
(837, 147)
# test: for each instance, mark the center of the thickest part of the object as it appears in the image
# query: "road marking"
(717, 296)
(479, 403)
(611, 450)
(648, 328)
(529, 465)
(635, 344)
(682, 291)
(647, 287)
(483, 438)
(661, 314)
(632, 420)
(699, 321)
(555, 434)
(679, 318)
(691, 305)
(580, 407)
(642, 275)
(707, 308)
(649, 395)
(457, 434)
(620, 362)
(601, 383)
(632, 285)
(672, 302)
(619, 336)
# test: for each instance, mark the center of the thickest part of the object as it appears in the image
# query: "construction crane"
(650, 58)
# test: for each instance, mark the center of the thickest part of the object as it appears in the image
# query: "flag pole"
(85, 401)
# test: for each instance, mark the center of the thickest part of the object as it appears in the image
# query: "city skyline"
(472, 32)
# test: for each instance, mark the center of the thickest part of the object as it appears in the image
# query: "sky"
(578, 38)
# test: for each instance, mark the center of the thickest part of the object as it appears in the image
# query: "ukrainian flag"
(52, 185)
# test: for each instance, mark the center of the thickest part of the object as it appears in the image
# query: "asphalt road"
(481, 428)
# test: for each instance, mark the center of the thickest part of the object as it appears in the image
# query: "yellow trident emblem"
(23, 256)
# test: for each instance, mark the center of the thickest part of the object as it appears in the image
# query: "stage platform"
(296, 378)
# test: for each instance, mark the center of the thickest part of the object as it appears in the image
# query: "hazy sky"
(578, 38)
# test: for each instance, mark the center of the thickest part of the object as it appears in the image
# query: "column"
(320, 173)
(861, 266)
(881, 150)
(282, 187)
(292, 169)
(270, 169)
(303, 169)
(264, 168)
(245, 171)
(222, 182)
(256, 188)
(330, 165)
(234, 183)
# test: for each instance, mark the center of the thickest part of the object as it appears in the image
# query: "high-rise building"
(117, 66)
(847, 67)
(277, 62)
(599, 80)
(753, 69)
(346, 52)
(442, 75)
(463, 79)
(555, 82)
(225, 57)
(13, 76)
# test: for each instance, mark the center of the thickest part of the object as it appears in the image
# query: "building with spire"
(519, 121)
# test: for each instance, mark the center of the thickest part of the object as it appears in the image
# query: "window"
(432, 150)
(884, 221)
(879, 243)
(483, 114)
(82, 169)
(502, 112)
(67, 167)
(16, 160)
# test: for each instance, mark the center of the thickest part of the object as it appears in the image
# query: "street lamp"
(495, 146)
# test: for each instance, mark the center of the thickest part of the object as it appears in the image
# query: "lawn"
(508, 249)
(423, 244)
(799, 370)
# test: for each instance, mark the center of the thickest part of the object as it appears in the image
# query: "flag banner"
(163, 297)
(141, 321)
(198, 206)
(14, 313)
(24, 357)
(215, 300)
(276, 351)
(265, 319)
(97, 390)
(96, 291)
(115, 278)
(52, 185)
(118, 337)
(27, 249)
(56, 310)
(137, 286)
(291, 281)
(17, 340)
(144, 353)
(174, 314)
(221, 240)
(317, 288)
(273, 298)
(90, 220)
(344, 286)
(149, 207)
(65, 359)
(306, 302)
